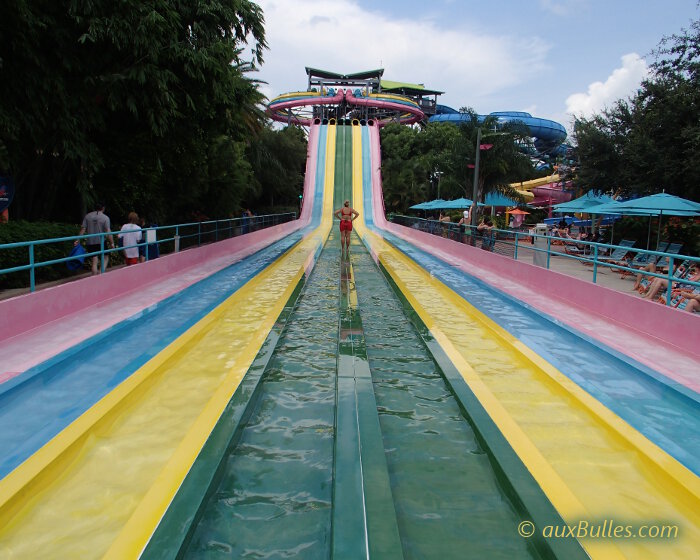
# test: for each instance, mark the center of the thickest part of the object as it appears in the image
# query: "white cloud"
(621, 84)
(340, 36)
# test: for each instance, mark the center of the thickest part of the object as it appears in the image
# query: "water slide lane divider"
(27, 493)
(364, 519)
(441, 310)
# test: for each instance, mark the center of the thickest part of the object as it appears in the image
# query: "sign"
(7, 191)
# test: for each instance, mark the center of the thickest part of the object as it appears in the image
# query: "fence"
(155, 240)
(546, 247)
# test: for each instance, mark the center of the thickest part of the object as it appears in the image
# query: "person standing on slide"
(346, 215)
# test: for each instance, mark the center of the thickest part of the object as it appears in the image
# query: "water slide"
(548, 134)
(415, 400)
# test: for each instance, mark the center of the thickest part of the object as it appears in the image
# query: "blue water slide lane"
(667, 413)
(39, 403)
(367, 176)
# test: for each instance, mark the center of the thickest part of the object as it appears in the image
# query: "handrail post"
(549, 250)
(102, 253)
(515, 253)
(669, 287)
(595, 263)
(32, 282)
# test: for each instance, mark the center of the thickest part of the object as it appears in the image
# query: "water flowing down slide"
(398, 403)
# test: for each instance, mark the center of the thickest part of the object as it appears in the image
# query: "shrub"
(16, 231)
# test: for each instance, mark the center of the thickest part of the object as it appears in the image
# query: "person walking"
(96, 223)
(346, 215)
(130, 236)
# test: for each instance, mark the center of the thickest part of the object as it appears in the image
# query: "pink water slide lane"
(39, 325)
(667, 340)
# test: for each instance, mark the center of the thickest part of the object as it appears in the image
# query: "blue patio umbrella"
(497, 199)
(420, 206)
(457, 204)
(663, 203)
(434, 204)
(583, 203)
(659, 204)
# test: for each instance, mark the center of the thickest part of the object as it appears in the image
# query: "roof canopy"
(408, 89)
(325, 74)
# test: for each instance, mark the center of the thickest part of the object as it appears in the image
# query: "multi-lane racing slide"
(413, 401)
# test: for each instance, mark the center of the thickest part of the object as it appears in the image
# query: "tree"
(501, 164)
(412, 156)
(649, 143)
(126, 102)
(278, 161)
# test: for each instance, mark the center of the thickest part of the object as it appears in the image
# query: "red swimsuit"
(345, 225)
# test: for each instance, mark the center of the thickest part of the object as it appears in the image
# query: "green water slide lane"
(343, 166)
(364, 519)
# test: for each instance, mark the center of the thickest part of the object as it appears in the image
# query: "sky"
(551, 58)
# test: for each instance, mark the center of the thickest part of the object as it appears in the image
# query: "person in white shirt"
(130, 235)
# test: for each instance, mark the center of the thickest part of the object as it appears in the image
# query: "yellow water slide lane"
(592, 465)
(100, 487)
(534, 183)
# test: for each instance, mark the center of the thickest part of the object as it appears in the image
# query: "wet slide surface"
(274, 493)
(164, 408)
(44, 400)
(399, 402)
(667, 414)
(447, 497)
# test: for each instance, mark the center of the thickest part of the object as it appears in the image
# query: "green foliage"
(423, 164)
(649, 143)
(147, 106)
(17, 231)
(673, 230)
(278, 163)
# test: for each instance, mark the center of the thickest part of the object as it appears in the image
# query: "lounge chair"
(672, 249)
(679, 302)
(618, 255)
(571, 247)
(642, 260)
(681, 272)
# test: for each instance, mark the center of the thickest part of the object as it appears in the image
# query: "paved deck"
(605, 276)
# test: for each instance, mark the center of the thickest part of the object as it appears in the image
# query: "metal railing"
(545, 247)
(169, 238)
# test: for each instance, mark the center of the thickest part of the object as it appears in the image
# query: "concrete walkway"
(605, 276)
